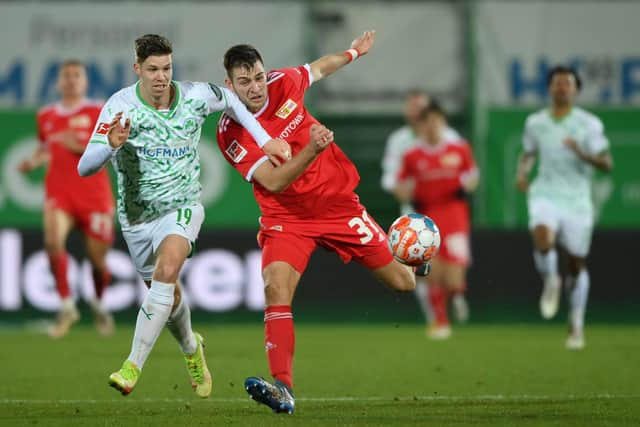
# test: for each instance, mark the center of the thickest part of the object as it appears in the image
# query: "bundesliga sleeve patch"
(236, 152)
(102, 129)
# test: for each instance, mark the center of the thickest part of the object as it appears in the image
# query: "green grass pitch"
(346, 375)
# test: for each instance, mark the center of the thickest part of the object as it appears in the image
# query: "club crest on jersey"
(235, 151)
(81, 121)
(102, 129)
(286, 109)
(451, 160)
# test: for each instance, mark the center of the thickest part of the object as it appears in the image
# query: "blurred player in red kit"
(435, 177)
(306, 202)
(72, 201)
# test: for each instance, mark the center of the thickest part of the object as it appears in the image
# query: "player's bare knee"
(166, 272)
(277, 292)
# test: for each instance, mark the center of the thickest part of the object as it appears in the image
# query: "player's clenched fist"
(117, 133)
(277, 149)
(321, 137)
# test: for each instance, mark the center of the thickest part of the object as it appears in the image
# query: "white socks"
(546, 264)
(578, 300)
(179, 325)
(422, 294)
(152, 317)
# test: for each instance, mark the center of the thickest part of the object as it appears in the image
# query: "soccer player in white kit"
(569, 143)
(398, 143)
(150, 132)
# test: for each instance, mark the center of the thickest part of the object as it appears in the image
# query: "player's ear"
(136, 68)
(228, 84)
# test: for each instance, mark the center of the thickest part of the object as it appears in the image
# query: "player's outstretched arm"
(277, 179)
(329, 64)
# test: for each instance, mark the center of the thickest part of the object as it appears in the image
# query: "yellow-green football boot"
(126, 378)
(201, 380)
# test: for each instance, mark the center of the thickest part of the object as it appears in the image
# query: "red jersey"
(326, 185)
(62, 175)
(438, 173)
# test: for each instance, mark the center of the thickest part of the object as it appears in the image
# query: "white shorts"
(573, 229)
(144, 239)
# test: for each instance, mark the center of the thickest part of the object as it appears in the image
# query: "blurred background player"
(307, 202)
(435, 177)
(569, 143)
(71, 201)
(398, 143)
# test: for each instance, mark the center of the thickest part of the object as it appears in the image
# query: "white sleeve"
(597, 141)
(98, 151)
(221, 98)
(237, 110)
(529, 142)
(213, 96)
(95, 156)
(391, 164)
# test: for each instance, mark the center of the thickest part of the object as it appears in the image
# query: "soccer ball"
(414, 239)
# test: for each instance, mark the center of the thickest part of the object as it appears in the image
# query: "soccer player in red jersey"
(306, 202)
(435, 178)
(70, 200)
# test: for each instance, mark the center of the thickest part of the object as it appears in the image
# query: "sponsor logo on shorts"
(276, 228)
(236, 152)
(286, 109)
(102, 129)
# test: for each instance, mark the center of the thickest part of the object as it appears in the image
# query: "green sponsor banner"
(227, 197)
(616, 195)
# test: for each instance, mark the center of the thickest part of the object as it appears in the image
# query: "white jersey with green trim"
(158, 168)
(563, 178)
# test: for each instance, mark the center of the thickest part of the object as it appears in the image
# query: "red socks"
(59, 263)
(280, 342)
(438, 300)
(101, 279)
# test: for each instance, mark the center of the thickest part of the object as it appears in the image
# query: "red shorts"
(352, 235)
(94, 219)
(455, 247)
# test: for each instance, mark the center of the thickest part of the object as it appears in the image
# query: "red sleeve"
(239, 148)
(299, 78)
(468, 162)
(405, 167)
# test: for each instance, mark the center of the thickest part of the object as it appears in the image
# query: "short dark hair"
(563, 69)
(433, 108)
(241, 55)
(152, 45)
